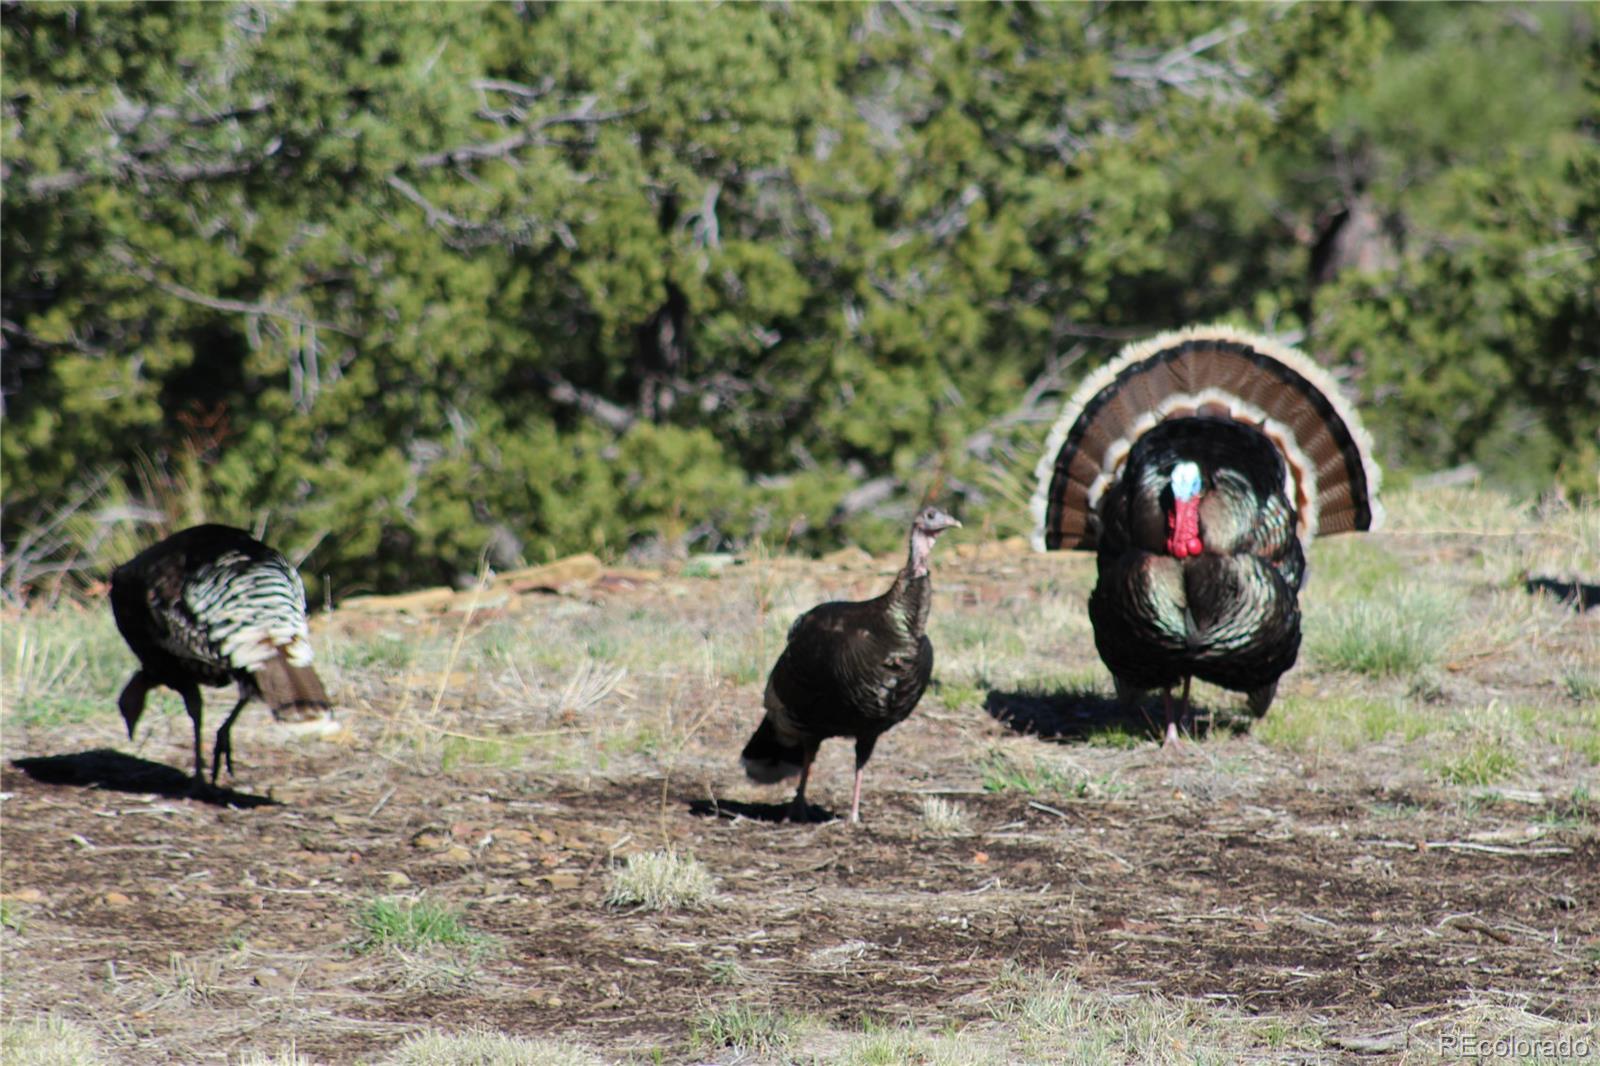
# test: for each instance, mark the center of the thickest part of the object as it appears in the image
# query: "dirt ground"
(1350, 893)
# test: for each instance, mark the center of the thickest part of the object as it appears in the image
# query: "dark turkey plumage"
(1193, 465)
(207, 606)
(850, 669)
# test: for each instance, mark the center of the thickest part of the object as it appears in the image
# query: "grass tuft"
(1002, 773)
(943, 817)
(752, 1030)
(282, 1057)
(485, 1048)
(1382, 636)
(408, 925)
(1485, 762)
(49, 1041)
(897, 1047)
(660, 880)
(66, 665)
(1342, 723)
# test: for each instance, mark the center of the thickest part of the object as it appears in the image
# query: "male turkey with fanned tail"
(851, 669)
(1193, 464)
(210, 605)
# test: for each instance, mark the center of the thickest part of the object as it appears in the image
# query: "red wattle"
(1183, 526)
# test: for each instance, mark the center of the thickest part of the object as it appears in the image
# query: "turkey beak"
(942, 523)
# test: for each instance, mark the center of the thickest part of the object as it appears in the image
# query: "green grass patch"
(64, 665)
(1583, 686)
(1035, 777)
(1382, 636)
(1346, 567)
(752, 1030)
(457, 752)
(382, 653)
(409, 925)
(956, 695)
(660, 880)
(1119, 735)
(1343, 723)
(1484, 762)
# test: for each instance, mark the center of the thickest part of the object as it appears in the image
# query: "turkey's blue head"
(1183, 524)
(925, 529)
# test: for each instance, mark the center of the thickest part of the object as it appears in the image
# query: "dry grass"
(486, 1048)
(49, 1041)
(944, 817)
(748, 1030)
(286, 1056)
(660, 880)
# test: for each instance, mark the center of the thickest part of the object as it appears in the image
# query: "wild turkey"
(212, 604)
(1193, 464)
(850, 669)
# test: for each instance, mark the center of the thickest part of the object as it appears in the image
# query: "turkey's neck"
(912, 592)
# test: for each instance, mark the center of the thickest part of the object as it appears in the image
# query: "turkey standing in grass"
(1193, 464)
(212, 604)
(851, 669)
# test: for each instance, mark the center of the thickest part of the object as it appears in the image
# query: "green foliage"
(754, 1030)
(403, 285)
(409, 925)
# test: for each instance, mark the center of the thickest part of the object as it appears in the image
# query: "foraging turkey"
(212, 604)
(1193, 464)
(850, 669)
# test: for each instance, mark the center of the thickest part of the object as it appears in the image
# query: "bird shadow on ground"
(118, 771)
(1078, 716)
(760, 812)
(1578, 595)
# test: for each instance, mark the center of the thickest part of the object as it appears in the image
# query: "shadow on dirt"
(120, 772)
(1071, 716)
(760, 812)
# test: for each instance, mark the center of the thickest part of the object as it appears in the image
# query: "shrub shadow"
(759, 812)
(118, 771)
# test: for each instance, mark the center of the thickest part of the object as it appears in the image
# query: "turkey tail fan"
(769, 760)
(1331, 476)
(294, 693)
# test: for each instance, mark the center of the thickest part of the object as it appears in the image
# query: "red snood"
(1183, 526)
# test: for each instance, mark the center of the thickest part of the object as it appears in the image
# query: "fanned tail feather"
(294, 693)
(767, 759)
(1332, 479)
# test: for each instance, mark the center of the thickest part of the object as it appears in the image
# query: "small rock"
(396, 879)
(546, 836)
(24, 895)
(513, 836)
(457, 853)
(429, 840)
(268, 978)
(561, 879)
(116, 899)
(553, 1001)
